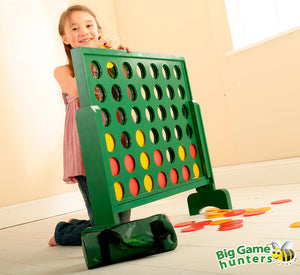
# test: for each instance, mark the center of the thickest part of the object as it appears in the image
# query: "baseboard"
(278, 172)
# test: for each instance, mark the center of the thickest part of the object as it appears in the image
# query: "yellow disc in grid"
(196, 170)
(110, 142)
(181, 152)
(148, 183)
(140, 138)
(145, 162)
(119, 191)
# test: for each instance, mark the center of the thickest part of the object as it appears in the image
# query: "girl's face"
(81, 30)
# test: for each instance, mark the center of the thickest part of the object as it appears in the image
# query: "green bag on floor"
(128, 241)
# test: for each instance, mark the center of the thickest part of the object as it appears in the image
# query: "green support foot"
(219, 198)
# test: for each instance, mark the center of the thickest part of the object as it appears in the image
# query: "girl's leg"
(124, 216)
(85, 194)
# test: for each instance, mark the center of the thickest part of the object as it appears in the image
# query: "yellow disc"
(140, 138)
(110, 142)
(212, 209)
(148, 182)
(109, 64)
(263, 209)
(196, 170)
(145, 162)
(181, 152)
(119, 191)
(295, 224)
(220, 221)
(215, 215)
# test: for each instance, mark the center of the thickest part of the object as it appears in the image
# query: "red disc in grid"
(134, 187)
(193, 151)
(158, 157)
(185, 173)
(162, 179)
(114, 166)
(129, 163)
(174, 176)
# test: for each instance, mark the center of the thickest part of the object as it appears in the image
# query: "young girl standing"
(78, 27)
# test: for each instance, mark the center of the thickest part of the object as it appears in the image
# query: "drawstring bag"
(128, 241)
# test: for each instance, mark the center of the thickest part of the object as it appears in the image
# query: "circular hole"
(166, 71)
(166, 133)
(127, 70)
(162, 114)
(149, 113)
(189, 131)
(129, 163)
(110, 142)
(170, 92)
(145, 161)
(153, 71)
(182, 153)
(157, 92)
(148, 183)
(185, 173)
(193, 151)
(181, 92)
(170, 155)
(174, 112)
(140, 138)
(141, 71)
(158, 159)
(154, 136)
(125, 140)
(99, 93)
(177, 72)
(112, 69)
(135, 114)
(178, 132)
(185, 111)
(114, 166)
(119, 191)
(162, 179)
(105, 117)
(95, 69)
(116, 93)
(134, 186)
(145, 92)
(174, 176)
(131, 92)
(121, 116)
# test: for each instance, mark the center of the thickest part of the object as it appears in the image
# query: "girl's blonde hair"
(61, 28)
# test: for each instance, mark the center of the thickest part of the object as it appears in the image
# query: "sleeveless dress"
(72, 156)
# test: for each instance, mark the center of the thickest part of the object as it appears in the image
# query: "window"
(251, 21)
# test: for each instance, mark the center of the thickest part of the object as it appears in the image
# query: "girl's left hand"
(114, 44)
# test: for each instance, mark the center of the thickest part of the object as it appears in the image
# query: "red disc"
(174, 176)
(162, 179)
(231, 223)
(235, 226)
(193, 151)
(134, 187)
(202, 223)
(158, 157)
(183, 224)
(114, 166)
(235, 213)
(254, 213)
(192, 228)
(185, 173)
(281, 201)
(129, 163)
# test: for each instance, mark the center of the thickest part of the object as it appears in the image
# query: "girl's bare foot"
(52, 242)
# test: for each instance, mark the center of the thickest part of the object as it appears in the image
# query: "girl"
(78, 27)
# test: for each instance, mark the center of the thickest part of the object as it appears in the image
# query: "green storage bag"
(128, 241)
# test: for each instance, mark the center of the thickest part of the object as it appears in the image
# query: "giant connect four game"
(141, 133)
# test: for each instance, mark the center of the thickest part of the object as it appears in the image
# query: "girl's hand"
(111, 43)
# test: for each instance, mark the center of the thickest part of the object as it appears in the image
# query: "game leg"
(207, 196)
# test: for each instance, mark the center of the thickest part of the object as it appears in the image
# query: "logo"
(135, 240)
(260, 254)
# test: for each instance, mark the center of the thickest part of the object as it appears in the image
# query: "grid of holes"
(135, 113)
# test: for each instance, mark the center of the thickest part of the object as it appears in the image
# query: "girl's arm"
(64, 78)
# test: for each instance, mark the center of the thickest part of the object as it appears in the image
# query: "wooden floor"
(24, 248)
